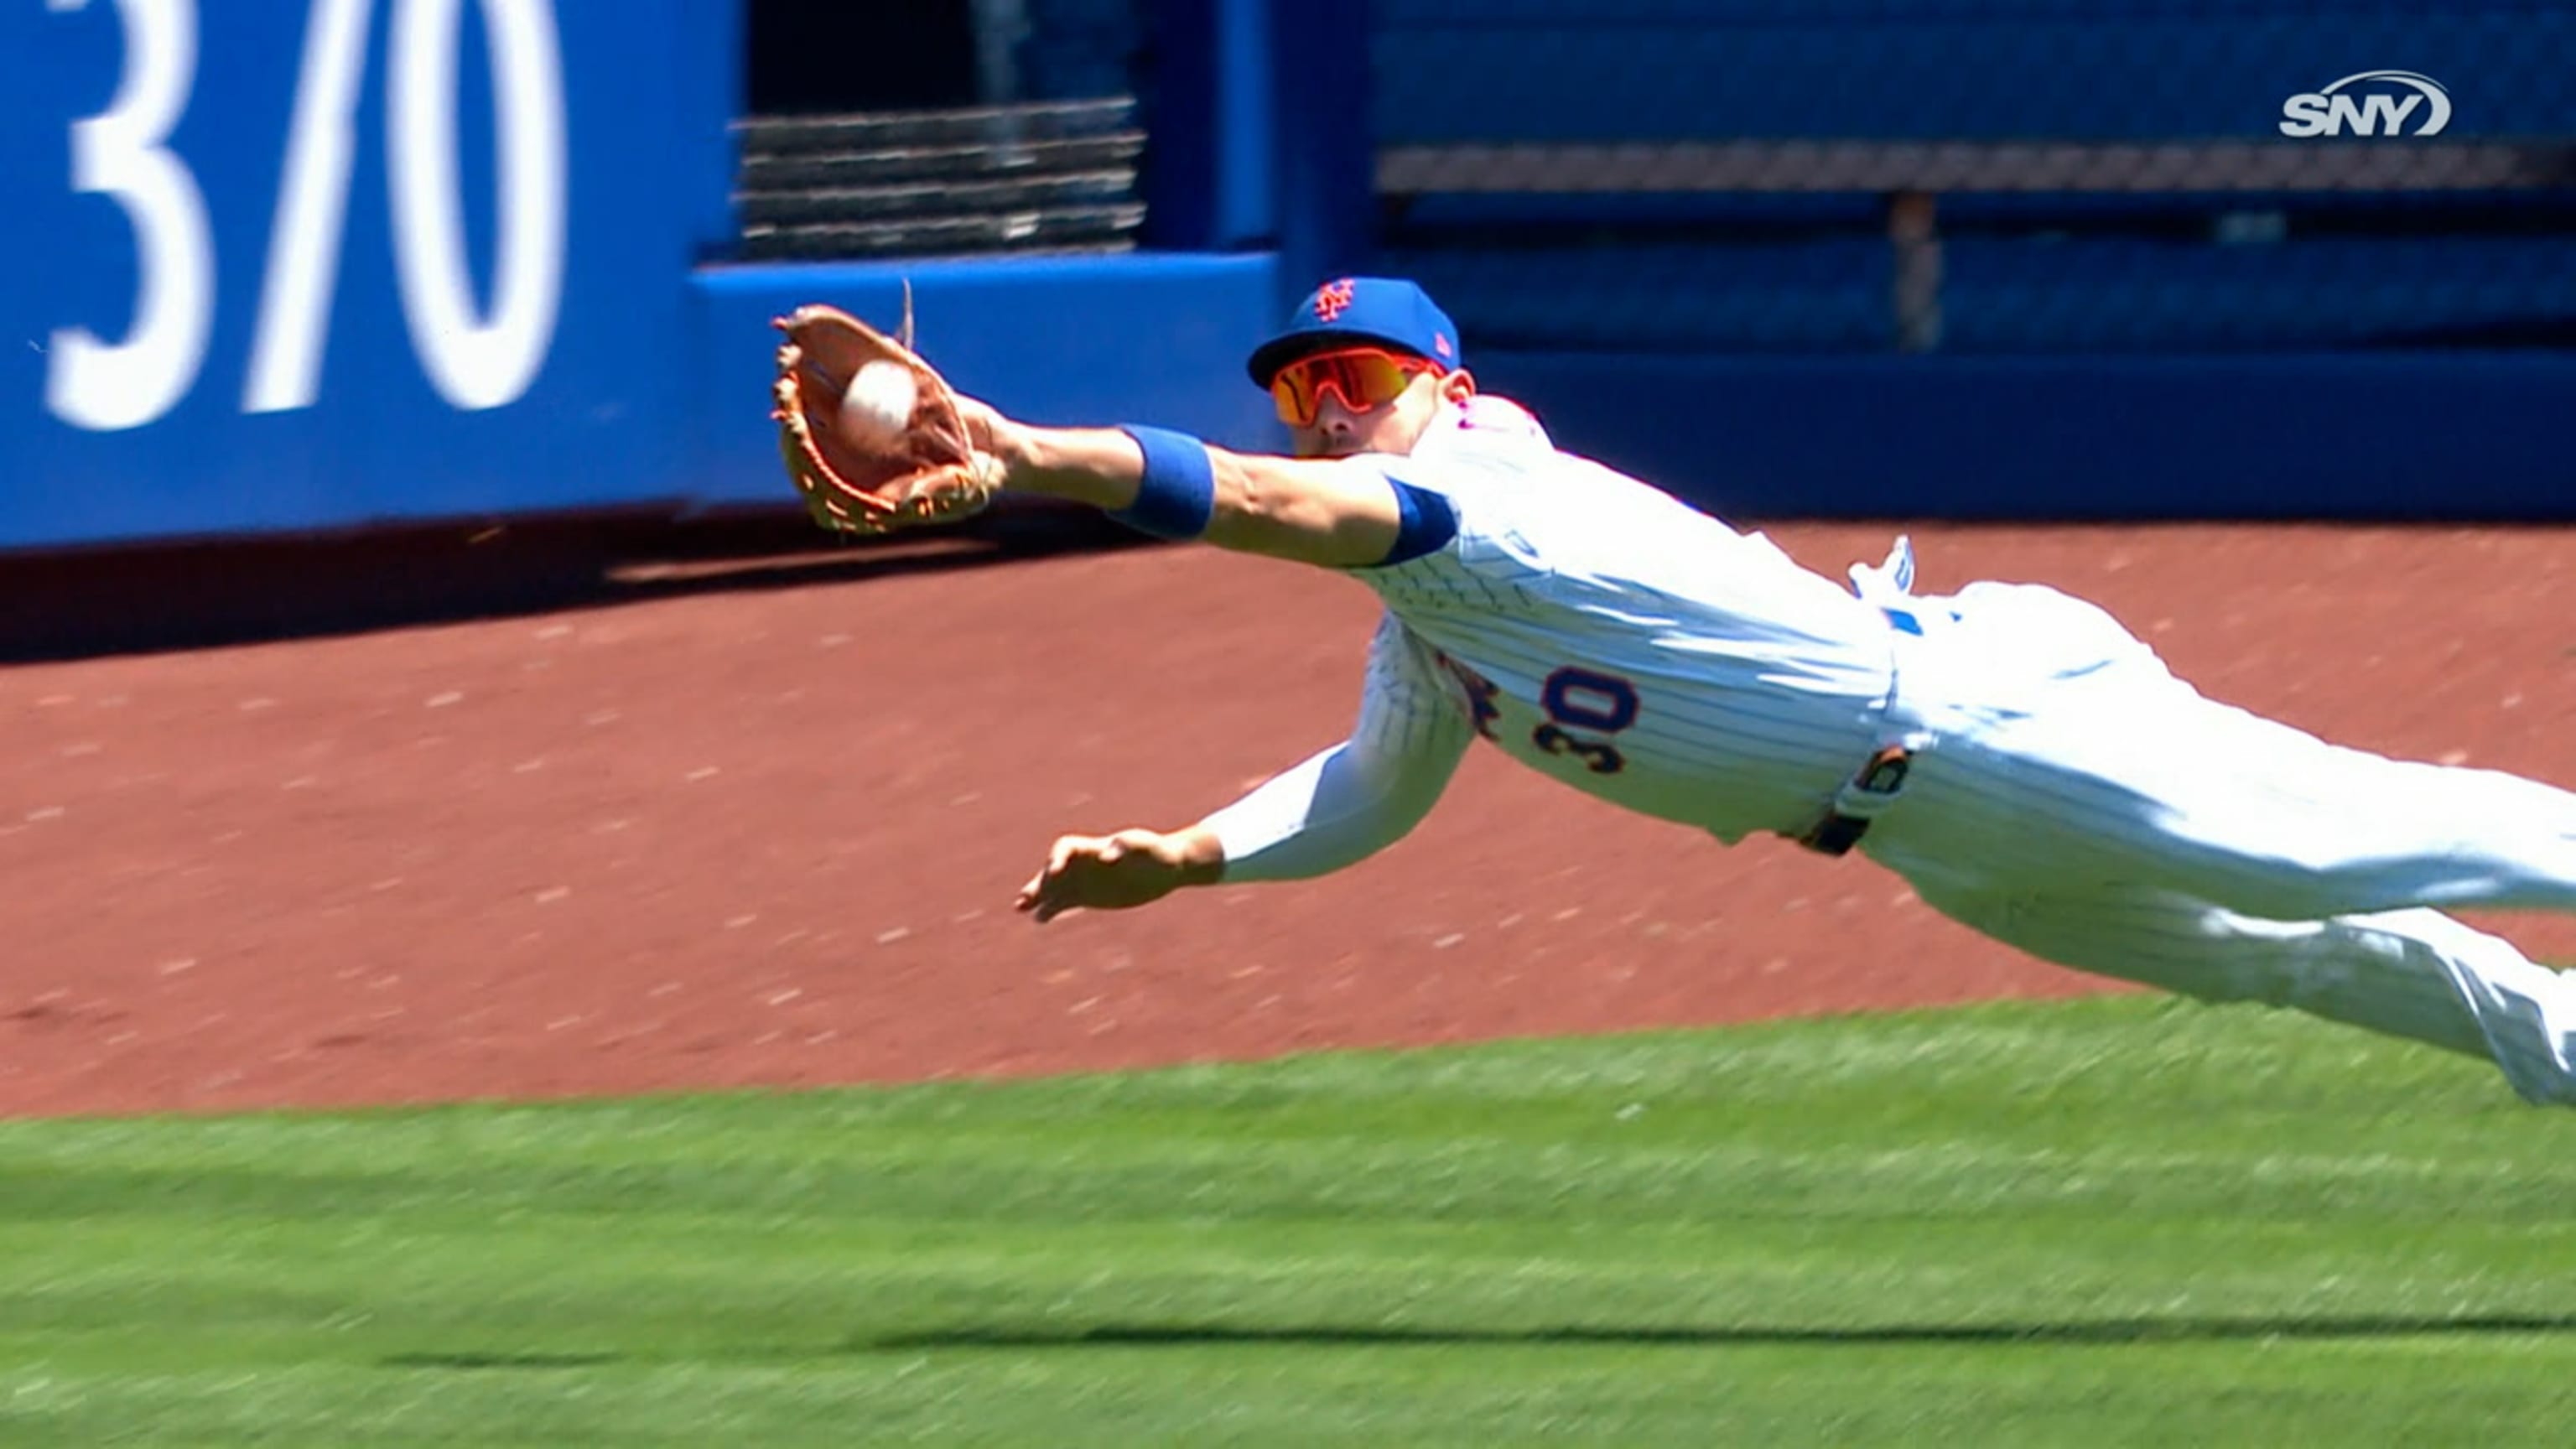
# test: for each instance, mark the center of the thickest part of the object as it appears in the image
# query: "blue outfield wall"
(311, 265)
(1065, 341)
(1625, 70)
(2469, 437)
(268, 268)
(2111, 354)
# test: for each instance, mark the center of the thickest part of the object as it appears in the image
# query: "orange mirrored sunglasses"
(1363, 378)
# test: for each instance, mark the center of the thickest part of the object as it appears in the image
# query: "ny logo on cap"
(1332, 299)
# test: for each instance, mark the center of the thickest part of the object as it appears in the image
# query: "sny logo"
(1332, 299)
(2332, 112)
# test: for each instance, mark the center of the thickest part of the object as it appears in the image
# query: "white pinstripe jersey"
(1613, 637)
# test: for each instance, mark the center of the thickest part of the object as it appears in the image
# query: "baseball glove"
(860, 479)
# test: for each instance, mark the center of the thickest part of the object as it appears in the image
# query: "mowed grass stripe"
(2123, 1220)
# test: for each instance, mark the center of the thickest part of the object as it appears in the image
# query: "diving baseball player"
(2028, 766)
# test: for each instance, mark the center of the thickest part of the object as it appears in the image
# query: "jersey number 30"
(1576, 699)
(1580, 699)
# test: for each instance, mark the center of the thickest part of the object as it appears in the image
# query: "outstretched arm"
(1305, 509)
(1333, 810)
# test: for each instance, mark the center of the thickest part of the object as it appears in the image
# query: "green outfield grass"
(2118, 1221)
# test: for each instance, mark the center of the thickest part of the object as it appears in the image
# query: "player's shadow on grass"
(2107, 1331)
(83, 603)
(2110, 1332)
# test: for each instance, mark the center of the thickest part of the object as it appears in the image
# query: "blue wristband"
(1424, 523)
(1177, 495)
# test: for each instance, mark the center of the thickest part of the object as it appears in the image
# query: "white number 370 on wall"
(476, 359)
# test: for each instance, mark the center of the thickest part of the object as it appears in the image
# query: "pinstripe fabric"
(1758, 684)
(1344, 804)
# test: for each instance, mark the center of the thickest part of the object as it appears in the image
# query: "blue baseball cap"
(1356, 311)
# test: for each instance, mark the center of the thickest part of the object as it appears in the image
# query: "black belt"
(1837, 833)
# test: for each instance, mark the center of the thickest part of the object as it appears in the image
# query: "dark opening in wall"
(821, 56)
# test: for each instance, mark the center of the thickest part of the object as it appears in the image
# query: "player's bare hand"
(1116, 872)
(987, 430)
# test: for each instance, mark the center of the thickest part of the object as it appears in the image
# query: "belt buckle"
(1880, 778)
(1885, 772)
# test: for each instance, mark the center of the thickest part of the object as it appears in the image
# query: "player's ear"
(1457, 385)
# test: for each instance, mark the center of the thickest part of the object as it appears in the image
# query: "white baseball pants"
(2072, 798)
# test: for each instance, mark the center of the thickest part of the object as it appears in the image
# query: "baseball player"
(2028, 766)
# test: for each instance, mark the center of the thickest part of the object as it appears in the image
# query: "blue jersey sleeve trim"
(1425, 522)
